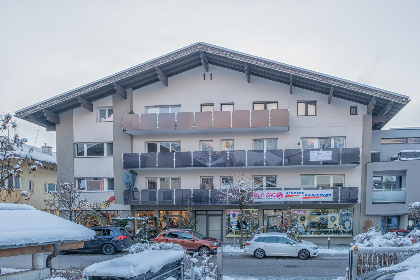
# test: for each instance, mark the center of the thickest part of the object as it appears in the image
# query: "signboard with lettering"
(296, 195)
(320, 155)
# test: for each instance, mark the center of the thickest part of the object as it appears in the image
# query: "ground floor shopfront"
(311, 221)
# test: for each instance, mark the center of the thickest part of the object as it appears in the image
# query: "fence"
(363, 262)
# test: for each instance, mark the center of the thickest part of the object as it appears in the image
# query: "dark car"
(190, 240)
(107, 240)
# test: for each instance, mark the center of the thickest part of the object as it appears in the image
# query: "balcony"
(388, 196)
(242, 159)
(207, 122)
(184, 197)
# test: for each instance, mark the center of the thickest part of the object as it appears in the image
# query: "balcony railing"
(207, 122)
(348, 195)
(388, 196)
(250, 158)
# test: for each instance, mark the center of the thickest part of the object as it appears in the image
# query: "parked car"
(280, 244)
(107, 240)
(400, 232)
(190, 240)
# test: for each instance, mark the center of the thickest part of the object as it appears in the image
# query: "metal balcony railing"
(250, 158)
(344, 195)
(184, 122)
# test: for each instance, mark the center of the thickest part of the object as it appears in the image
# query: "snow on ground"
(5, 270)
(22, 224)
(413, 266)
(56, 278)
(134, 264)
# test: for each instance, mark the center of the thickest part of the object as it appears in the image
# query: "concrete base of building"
(27, 274)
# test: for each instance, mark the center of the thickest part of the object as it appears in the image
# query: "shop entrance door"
(209, 223)
(215, 226)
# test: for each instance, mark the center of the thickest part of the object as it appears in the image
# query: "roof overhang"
(382, 104)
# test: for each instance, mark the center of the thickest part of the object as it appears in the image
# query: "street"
(234, 265)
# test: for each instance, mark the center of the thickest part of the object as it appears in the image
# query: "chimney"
(47, 149)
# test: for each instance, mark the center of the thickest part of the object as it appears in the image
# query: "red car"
(400, 232)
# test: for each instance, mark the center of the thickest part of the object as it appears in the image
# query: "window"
(94, 149)
(207, 107)
(226, 107)
(323, 142)
(387, 182)
(206, 145)
(163, 109)
(264, 105)
(164, 183)
(105, 114)
(226, 182)
(388, 189)
(265, 144)
(265, 181)
(31, 186)
(206, 183)
(95, 184)
(321, 181)
(306, 108)
(156, 147)
(227, 145)
(353, 110)
(10, 182)
(410, 140)
(49, 188)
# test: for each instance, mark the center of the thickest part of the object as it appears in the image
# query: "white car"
(280, 244)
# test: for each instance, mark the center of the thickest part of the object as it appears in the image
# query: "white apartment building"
(181, 129)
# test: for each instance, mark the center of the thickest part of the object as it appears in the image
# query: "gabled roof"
(384, 104)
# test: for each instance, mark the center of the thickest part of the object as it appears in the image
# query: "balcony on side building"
(273, 196)
(207, 122)
(243, 159)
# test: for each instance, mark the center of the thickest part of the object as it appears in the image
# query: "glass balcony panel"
(148, 197)
(201, 159)
(219, 159)
(203, 120)
(166, 121)
(388, 196)
(350, 156)
(237, 158)
(148, 160)
(166, 197)
(131, 122)
(148, 121)
(260, 118)
(292, 157)
(274, 158)
(221, 119)
(200, 197)
(255, 158)
(240, 119)
(183, 159)
(184, 120)
(165, 160)
(279, 118)
(218, 197)
(131, 161)
(182, 197)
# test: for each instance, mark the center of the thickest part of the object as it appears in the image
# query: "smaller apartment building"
(177, 132)
(393, 177)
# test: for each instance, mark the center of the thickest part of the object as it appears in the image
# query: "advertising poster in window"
(233, 224)
(320, 155)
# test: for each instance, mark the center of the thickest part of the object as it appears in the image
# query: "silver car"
(280, 244)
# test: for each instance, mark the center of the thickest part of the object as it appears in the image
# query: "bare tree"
(67, 200)
(12, 158)
(414, 209)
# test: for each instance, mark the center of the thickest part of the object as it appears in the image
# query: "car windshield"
(297, 240)
(199, 235)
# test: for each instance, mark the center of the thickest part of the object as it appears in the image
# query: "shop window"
(234, 225)
(163, 183)
(163, 109)
(264, 105)
(49, 188)
(156, 147)
(206, 145)
(226, 107)
(227, 145)
(207, 107)
(226, 182)
(265, 144)
(306, 108)
(105, 114)
(321, 181)
(323, 142)
(206, 182)
(265, 181)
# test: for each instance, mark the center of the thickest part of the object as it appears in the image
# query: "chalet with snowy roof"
(181, 130)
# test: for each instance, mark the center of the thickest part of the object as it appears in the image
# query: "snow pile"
(134, 264)
(412, 264)
(140, 247)
(24, 225)
(374, 238)
(231, 249)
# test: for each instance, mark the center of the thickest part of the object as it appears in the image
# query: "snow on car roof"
(23, 225)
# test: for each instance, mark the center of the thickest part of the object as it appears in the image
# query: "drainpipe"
(53, 254)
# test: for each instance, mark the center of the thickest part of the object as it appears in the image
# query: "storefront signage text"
(309, 195)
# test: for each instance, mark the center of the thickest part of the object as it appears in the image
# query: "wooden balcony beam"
(378, 119)
(161, 76)
(52, 117)
(120, 90)
(371, 105)
(387, 108)
(85, 103)
(204, 61)
(291, 83)
(247, 74)
(330, 96)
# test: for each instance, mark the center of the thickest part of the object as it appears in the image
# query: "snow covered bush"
(374, 238)
(140, 247)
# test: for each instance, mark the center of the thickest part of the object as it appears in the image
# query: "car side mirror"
(192, 239)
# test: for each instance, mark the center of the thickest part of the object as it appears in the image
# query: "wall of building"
(389, 150)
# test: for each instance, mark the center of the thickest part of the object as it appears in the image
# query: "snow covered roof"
(382, 103)
(23, 225)
(36, 154)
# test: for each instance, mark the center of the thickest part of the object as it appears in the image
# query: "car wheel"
(108, 249)
(259, 253)
(204, 250)
(303, 254)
